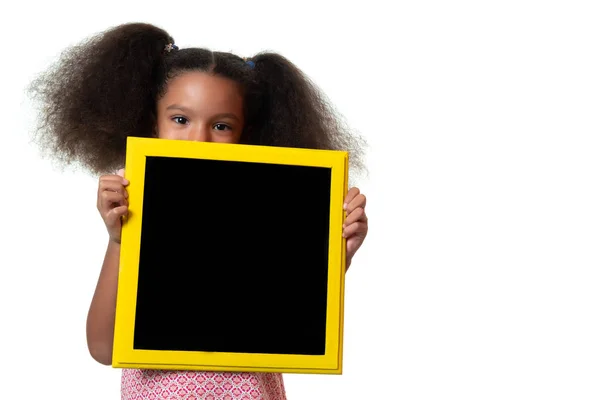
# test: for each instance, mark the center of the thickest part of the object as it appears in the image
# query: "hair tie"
(170, 47)
(249, 63)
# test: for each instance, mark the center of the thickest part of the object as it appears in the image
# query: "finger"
(113, 177)
(352, 193)
(359, 201)
(112, 186)
(117, 178)
(109, 199)
(356, 215)
(121, 173)
(113, 217)
(355, 229)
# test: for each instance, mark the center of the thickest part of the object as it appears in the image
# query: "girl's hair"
(106, 89)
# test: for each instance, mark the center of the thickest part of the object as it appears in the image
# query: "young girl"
(133, 81)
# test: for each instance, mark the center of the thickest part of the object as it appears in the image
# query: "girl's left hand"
(356, 224)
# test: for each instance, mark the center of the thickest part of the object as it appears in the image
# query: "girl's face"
(202, 107)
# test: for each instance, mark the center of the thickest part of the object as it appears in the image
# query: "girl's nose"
(200, 134)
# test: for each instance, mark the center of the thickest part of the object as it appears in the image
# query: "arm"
(100, 327)
(101, 316)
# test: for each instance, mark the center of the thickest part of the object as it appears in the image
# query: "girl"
(133, 81)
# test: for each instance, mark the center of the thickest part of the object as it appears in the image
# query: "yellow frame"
(125, 356)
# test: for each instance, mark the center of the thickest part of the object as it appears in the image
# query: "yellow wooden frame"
(125, 356)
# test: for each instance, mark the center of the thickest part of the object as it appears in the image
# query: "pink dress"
(139, 384)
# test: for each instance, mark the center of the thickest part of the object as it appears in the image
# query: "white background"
(480, 276)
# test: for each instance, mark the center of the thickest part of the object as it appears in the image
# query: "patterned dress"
(139, 384)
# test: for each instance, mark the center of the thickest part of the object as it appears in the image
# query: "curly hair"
(106, 88)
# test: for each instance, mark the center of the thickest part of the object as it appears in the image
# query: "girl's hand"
(112, 203)
(356, 224)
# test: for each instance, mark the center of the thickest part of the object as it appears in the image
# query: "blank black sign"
(233, 258)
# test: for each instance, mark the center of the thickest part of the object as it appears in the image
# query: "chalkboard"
(234, 255)
(232, 258)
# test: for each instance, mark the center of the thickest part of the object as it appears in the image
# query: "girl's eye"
(180, 120)
(222, 127)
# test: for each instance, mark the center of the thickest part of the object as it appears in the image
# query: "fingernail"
(345, 206)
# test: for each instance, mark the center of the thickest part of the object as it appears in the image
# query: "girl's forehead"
(201, 88)
(191, 82)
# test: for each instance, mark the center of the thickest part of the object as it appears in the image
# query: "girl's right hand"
(112, 203)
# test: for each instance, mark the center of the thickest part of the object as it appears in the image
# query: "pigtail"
(293, 111)
(99, 93)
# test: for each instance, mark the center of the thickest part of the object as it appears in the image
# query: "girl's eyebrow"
(178, 107)
(227, 115)
(188, 111)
